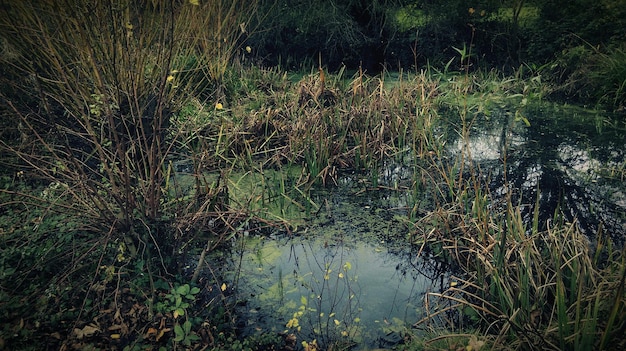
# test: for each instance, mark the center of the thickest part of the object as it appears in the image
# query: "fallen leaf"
(150, 332)
(87, 331)
(162, 332)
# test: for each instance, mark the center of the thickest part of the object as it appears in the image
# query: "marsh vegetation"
(156, 155)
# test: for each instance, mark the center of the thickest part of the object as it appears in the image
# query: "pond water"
(569, 160)
(345, 278)
(348, 275)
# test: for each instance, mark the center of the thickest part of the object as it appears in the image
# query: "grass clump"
(543, 290)
(593, 75)
(517, 283)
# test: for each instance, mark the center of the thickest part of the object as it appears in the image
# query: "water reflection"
(566, 159)
(343, 280)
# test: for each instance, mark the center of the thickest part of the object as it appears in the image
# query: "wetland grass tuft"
(513, 285)
(519, 287)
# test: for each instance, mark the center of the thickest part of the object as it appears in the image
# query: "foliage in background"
(410, 34)
(350, 32)
(591, 74)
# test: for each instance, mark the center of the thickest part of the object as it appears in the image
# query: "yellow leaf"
(219, 106)
(170, 78)
(162, 332)
(340, 275)
(115, 336)
(312, 346)
(337, 322)
(223, 287)
(194, 2)
(293, 323)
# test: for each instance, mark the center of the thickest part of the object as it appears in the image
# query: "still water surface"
(344, 278)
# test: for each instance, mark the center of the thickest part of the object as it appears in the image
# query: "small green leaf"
(195, 290)
(183, 289)
(187, 327)
(180, 334)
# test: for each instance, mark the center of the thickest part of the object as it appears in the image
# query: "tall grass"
(352, 123)
(514, 285)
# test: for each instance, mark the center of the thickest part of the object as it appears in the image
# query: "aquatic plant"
(519, 283)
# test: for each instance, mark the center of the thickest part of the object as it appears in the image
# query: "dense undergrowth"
(98, 232)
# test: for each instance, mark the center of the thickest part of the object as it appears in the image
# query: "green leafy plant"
(183, 334)
(178, 300)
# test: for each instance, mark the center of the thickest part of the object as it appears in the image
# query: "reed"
(516, 285)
